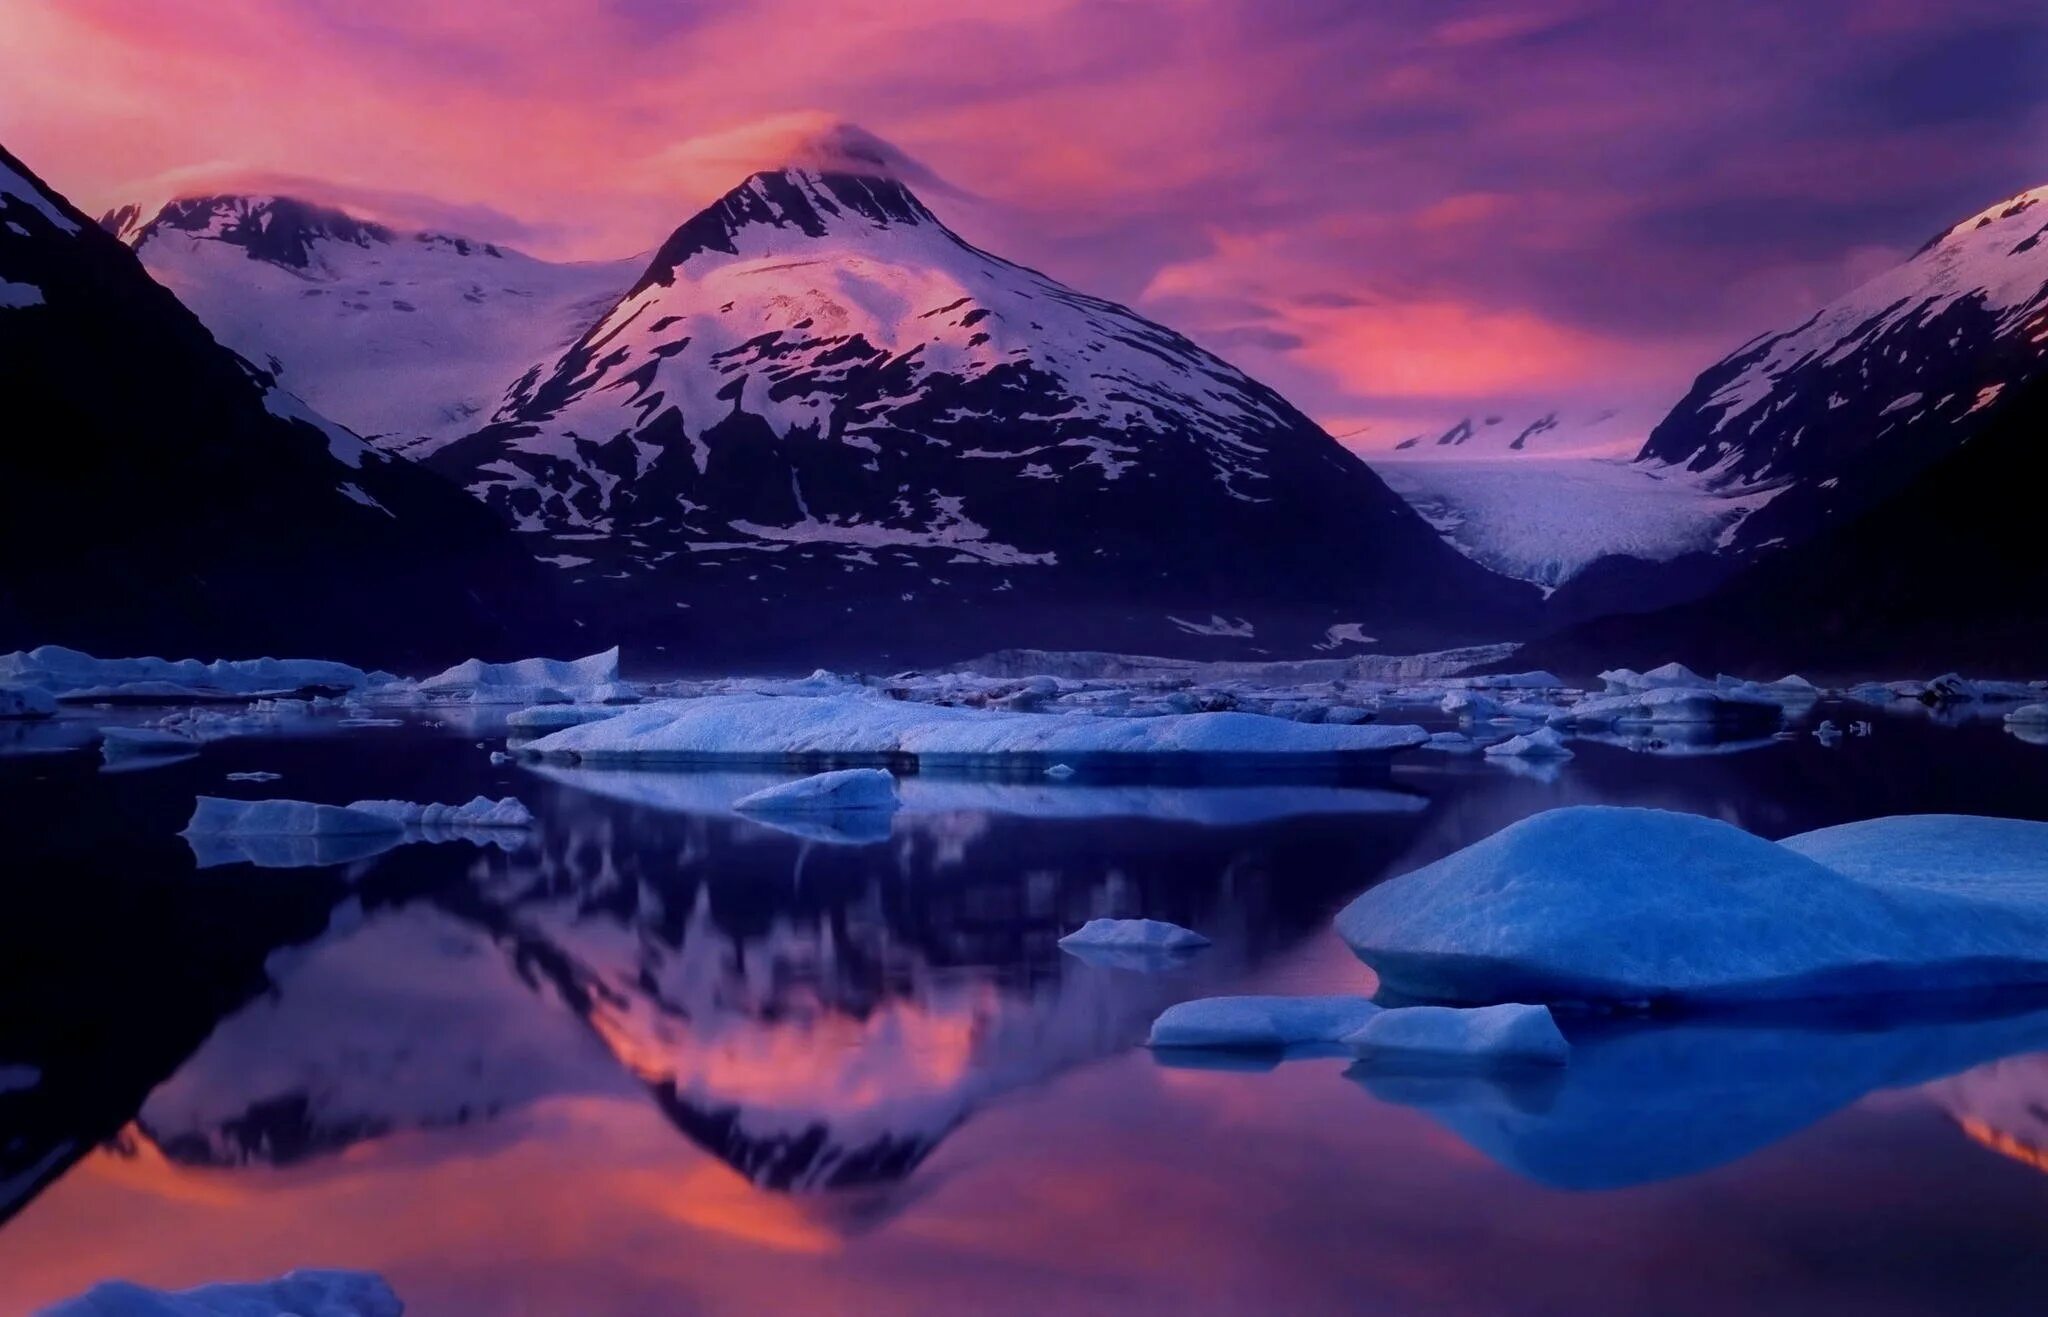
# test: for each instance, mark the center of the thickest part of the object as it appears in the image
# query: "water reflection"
(661, 1051)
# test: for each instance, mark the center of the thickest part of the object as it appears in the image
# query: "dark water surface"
(655, 1058)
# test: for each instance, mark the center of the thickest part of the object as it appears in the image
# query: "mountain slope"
(1848, 407)
(1950, 572)
(821, 412)
(410, 337)
(157, 493)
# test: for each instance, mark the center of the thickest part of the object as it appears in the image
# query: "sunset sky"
(1391, 210)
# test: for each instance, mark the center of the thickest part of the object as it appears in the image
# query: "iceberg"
(296, 1294)
(591, 680)
(480, 812)
(1134, 934)
(1255, 1022)
(69, 674)
(859, 727)
(846, 789)
(1640, 906)
(1543, 743)
(23, 701)
(2029, 715)
(1511, 1033)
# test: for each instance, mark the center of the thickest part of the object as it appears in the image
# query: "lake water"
(655, 1058)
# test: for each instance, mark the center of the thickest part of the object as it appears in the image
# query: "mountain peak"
(797, 201)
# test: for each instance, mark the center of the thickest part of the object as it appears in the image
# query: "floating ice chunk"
(214, 816)
(22, 701)
(1454, 743)
(2029, 715)
(1061, 772)
(594, 679)
(1469, 706)
(1134, 934)
(1827, 733)
(845, 789)
(1670, 675)
(1634, 905)
(296, 1294)
(1538, 680)
(1260, 1021)
(1543, 743)
(743, 727)
(257, 776)
(480, 812)
(553, 717)
(1512, 1033)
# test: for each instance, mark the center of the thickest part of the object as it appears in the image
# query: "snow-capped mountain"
(1544, 496)
(408, 337)
(160, 493)
(819, 407)
(1946, 573)
(1849, 406)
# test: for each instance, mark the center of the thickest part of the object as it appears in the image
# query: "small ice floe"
(1142, 934)
(257, 775)
(2028, 715)
(500, 757)
(740, 728)
(1543, 743)
(1861, 727)
(304, 1293)
(1512, 1033)
(1061, 772)
(1628, 906)
(1260, 1022)
(19, 701)
(480, 812)
(369, 722)
(1451, 743)
(1827, 733)
(1142, 945)
(215, 816)
(845, 789)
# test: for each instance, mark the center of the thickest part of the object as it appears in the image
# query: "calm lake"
(651, 1057)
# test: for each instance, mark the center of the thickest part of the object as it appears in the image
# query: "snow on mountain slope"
(1539, 498)
(160, 493)
(410, 337)
(1847, 407)
(817, 390)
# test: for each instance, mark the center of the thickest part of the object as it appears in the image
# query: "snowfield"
(407, 336)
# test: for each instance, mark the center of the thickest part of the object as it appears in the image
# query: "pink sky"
(1394, 212)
